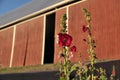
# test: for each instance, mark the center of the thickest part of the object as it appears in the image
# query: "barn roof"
(30, 9)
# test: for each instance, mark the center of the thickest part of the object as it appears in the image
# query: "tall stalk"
(65, 63)
(91, 42)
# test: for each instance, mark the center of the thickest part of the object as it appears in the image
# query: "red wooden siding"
(59, 13)
(6, 37)
(34, 53)
(20, 48)
(76, 21)
(28, 43)
(106, 26)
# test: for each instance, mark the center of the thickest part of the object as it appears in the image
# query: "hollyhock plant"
(66, 54)
(91, 72)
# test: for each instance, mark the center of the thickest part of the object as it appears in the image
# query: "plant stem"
(66, 64)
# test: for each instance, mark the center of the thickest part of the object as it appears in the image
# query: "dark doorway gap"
(49, 39)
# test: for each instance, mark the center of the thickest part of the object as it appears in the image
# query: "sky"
(9, 5)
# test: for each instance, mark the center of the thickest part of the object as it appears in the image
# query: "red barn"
(28, 34)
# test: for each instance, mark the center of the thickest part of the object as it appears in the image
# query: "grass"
(45, 67)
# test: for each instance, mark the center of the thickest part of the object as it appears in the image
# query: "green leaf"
(61, 78)
(102, 77)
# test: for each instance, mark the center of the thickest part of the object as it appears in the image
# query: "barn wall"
(105, 22)
(6, 37)
(20, 47)
(28, 43)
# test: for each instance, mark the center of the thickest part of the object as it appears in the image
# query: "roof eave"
(36, 13)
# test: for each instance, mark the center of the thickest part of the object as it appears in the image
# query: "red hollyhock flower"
(73, 49)
(64, 39)
(113, 71)
(84, 28)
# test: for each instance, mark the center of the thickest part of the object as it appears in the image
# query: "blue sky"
(8, 5)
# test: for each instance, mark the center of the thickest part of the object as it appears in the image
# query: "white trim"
(7, 28)
(43, 45)
(67, 14)
(13, 43)
(36, 17)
